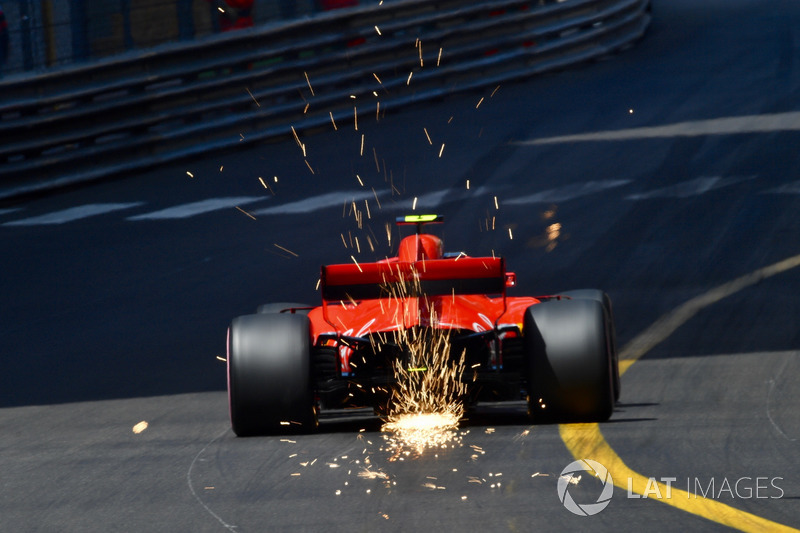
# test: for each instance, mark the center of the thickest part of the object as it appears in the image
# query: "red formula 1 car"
(288, 361)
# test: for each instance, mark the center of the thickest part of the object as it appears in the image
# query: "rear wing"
(400, 279)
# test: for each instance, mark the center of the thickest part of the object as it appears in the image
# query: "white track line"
(227, 526)
(72, 214)
(197, 208)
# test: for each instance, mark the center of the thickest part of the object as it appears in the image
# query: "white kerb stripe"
(568, 192)
(198, 208)
(72, 214)
(322, 201)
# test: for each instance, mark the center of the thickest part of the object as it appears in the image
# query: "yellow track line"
(586, 440)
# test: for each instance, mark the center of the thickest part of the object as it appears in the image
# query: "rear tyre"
(570, 368)
(283, 307)
(269, 374)
(600, 296)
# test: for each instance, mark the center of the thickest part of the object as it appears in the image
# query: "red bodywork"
(418, 288)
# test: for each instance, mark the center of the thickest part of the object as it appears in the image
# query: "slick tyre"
(570, 369)
(269, 374)
(602, 297)
(283, 307)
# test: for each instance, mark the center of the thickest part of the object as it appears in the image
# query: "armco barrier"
(138, 111)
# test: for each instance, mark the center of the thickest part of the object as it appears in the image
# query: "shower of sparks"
(493, 92)
(414, 204)
(253, 97)
(441, 150)
(359, 180)
(428, 136)
(479, 103)
(263, 183)
(421, 63)
(366, 473)
(426, 401)
(189, 174)
(439, 59)
(409, 435)
(333, 121)
(377, 29)
(141, 426)
(245, 212)
(297, 140)
(308, 81)
(361, 152)
(287, 251)
(305, 109)
(408, 81)
(355, 116)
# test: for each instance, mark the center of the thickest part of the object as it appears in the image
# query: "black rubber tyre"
(269, 374)
(602, 297)
(282, 307)
(570, 369)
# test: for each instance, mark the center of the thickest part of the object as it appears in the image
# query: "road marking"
(434, 199)
(766, 123)
(788, 188)
(771, 395)
(322, 201)
(666, 325)
(72, 214)
(694, 187)
(197, 208)
(190, 483)
(586, 440)
(568, 192)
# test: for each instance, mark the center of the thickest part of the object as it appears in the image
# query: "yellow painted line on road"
(587, 441)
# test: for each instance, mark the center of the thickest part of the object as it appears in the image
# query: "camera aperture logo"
(570, 477)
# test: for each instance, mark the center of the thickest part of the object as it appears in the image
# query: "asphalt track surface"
(116, 318)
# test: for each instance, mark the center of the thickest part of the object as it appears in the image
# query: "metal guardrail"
(139, 111)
